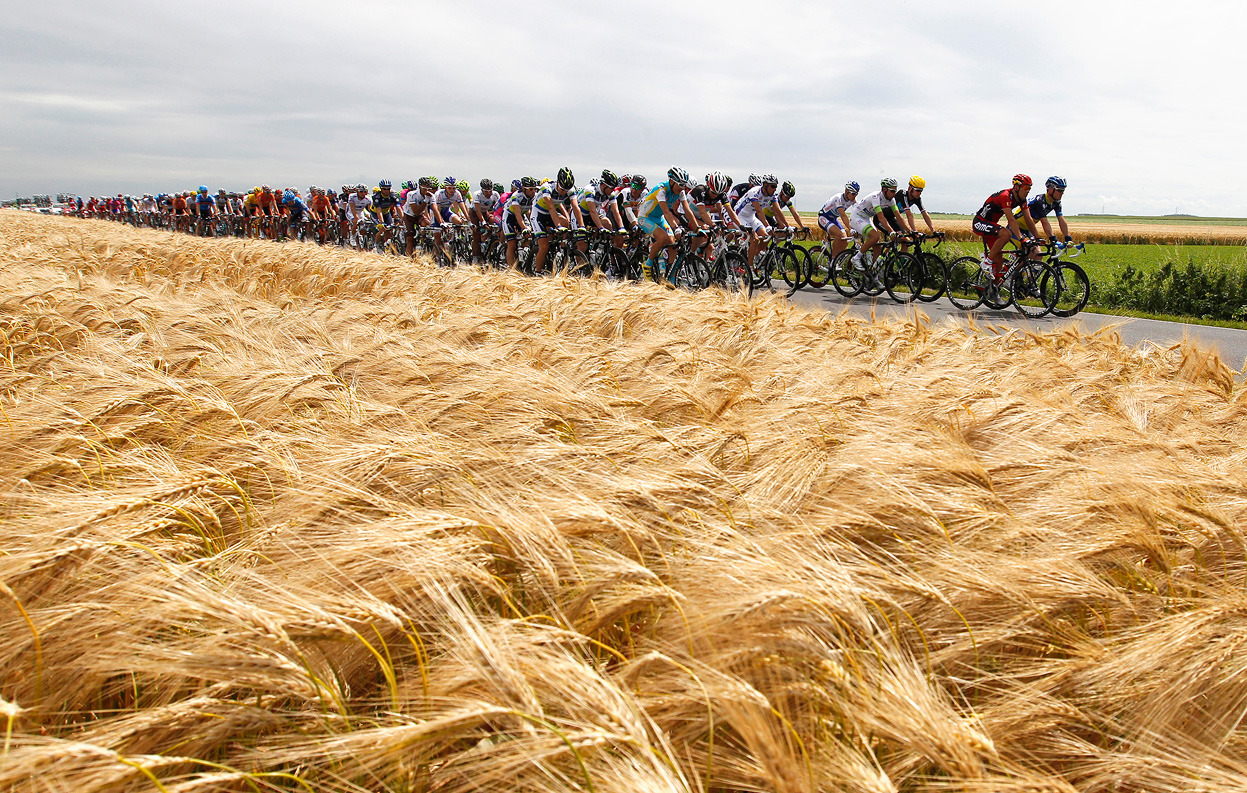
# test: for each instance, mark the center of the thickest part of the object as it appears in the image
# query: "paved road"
(1230, 343)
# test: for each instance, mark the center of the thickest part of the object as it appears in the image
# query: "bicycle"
(604, 257)
(934, 281)
(970, 286)
(775, 260)
(1068, 280)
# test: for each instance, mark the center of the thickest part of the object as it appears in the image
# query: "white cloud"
(1124, 100)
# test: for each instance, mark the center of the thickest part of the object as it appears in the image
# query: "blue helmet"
(1055, 182)
(515, 184)
(289, 197)
(203, 188)
(853, 187)
(449, 181)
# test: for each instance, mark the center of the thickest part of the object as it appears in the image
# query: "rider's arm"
(1060, 220)
(796, 217)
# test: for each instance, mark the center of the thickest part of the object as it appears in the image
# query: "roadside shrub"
(1198, 289)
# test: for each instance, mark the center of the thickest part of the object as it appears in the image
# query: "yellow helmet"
(917, 181)
(255, 190)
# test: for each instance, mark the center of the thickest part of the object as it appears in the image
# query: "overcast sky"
(1139, 105)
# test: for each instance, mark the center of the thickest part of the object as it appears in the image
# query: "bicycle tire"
(902, 274)
(791, 269)
(1026, 291)
(872, 277)
(1071, 285)
(934, 278)
(577, 264)
(819, 271)
(966, 283)
(845, 276)
(733, 274)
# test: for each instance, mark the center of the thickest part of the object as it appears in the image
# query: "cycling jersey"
(205, 204)
(549, 197)
(357, 205)
(737, 191)
(296, 208)
(149, 205)
(754, 200)
(417, 201)
(383, 201)
(486, 204)
(904, 202)
(702, 196)
(591, 199)
(179, 205)
(649, 205)
(321, 205)
(866, 208)
(996, 205)
(1041, 207)
(831, 210)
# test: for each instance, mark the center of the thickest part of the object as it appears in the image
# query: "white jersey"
(149, 205)
(755, 201)
(416, 202)
(357, 205)
(446, 197)
(484, 203)
(836, 203)
(866, 208)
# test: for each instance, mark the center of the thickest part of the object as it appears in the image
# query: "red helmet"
(1021, 179)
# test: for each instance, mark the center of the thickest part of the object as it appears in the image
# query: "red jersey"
(997, 204)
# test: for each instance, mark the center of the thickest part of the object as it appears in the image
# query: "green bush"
(1200, 289)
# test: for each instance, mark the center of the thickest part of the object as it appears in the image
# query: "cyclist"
(205, 205)
(994, 236)
(448, 208)
(906, 200)
(597, 205)
(833, 218)
(710, 200)
(759, 199)
(515, 215)
(1046, 203)
(417, 209)
(555, 206)
(787, 191)
(738, 190)
(358, 205)
(628, 199)
(385, 204)
(296, 211)
(484, 202)
(868, 221)
(656, 214)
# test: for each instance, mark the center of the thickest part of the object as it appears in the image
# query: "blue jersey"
(205, 202)
(1040, 206)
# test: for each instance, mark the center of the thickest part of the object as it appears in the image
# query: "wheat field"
(277, 517)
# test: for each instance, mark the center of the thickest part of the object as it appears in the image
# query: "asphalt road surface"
(1230, 343)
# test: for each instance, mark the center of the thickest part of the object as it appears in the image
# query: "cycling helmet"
(788, 189)
(719, 182)
(313, 189)
(487, 184)
(288, 198)
(917, 181)
(516, 184)
(498, 186)
(203, 188)
(406, 185)
(769, 178)
(853, 187)
(566, 180)
(265, 188)
(527, 182)
(638, 181)
(449, 181)
(345, 189)
(463, 186)
(1055, 182)
(427, 181)
(754, 180)
(887, 183)
(218, 192)
(384, 184)
(1022, 179)
(609, 178)
(678, 175)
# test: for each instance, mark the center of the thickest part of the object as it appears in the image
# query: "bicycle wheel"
(999, 296)
(1028, 298)
(872, 276)
(762, 269)
(845, 275)
(1071, 288)
(818, 273)
(967, 283)
(792, 268)
(733, 273)
(578, 263)
(902, 275)
(934, 278)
